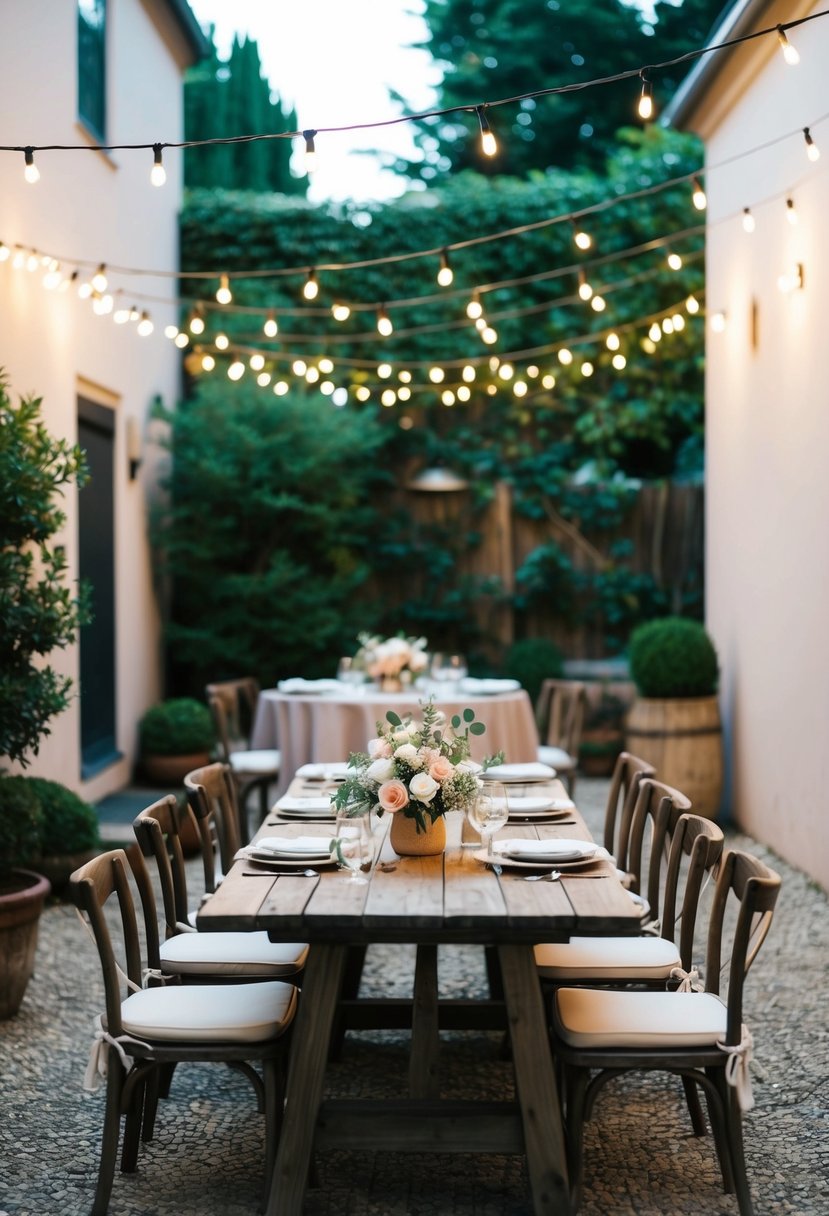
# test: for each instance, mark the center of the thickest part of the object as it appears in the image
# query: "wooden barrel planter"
(682, 738)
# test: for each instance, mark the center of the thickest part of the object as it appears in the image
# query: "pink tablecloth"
(329, 726)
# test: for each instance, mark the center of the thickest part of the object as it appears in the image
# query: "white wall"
(767, 435)
(99, 208)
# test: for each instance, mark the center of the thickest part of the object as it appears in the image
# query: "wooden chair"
(196, 957)
(560, 715)
(154, 1029)
(628, 771)
(233, 706)
(602, 1033)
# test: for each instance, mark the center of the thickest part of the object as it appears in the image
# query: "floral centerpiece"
(415, 770)
(392, 662)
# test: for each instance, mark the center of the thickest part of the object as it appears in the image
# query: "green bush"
(531, 661)
(176, 728)
(69, 825)
(673, 657)
(21, 819)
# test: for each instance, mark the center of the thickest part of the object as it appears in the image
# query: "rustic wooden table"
(452, 898)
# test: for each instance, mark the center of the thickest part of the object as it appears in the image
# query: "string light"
(506, 371)
(181, 340)
(613, 341)
(475, 308)
(520, 388)
(674, 261)
(388, 397)
(793, 280)
(791, 212)
(256, 362)
(489, 335)
(445, 274)
(698, 198)
(208, 362)
(582, 239)
(463, 392)
(223, 294)
(236, 370)
(263, 379)
(102, 305)
(718, 322)
(404, 393)
(311, 288)
(310, 151)
(468, 373)
(221, 341)
(692, 305)
(405, 377)
(99, 279)
(812, 150)
(340, 312)
(619, 362)
(30, 171)
(645, 106)
(585, 290)
(489, 144)
(598, 303)
(548, 381)
(196, 324)
(281, 388)
(312, 375)
(326, 366)
(790, 53)
(384, 323)
(270, 328)
(655, 332)
(447, 397)
(170, 331)
(299, 367)
(587, 368)
(748, 220)
(362, 393)
(158, 174)
(565, 357)
(145, 325)
(436, 375)
(384, 370)
(5, 252)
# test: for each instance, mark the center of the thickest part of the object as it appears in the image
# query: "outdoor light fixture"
(99, 279)
(158, 174)
(270, 328)
(698, 198)
(582, 239)
(224, 295)
(445, 275)
(748, 220)
(812, 150)
(585, 290)
(790, 53)
(196, 323)
(311, 288)
(340, 312)
(145, 325)
(489, 144)
(310, 151)
(384, 325)
(475, 308)
(646, 98)
(31, 171)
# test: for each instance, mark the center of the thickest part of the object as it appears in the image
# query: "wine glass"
(354, 846)
(348, 672)
(449, 668)
(488, 812)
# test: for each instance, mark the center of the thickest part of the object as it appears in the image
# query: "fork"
(550, 876)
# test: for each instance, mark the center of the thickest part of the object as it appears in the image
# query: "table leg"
(423, 1062)
(321, 985)
(535, 1083)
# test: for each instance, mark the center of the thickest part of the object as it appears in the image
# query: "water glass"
(348, 672)
(354, 846)
(489, 812)
(449, 668)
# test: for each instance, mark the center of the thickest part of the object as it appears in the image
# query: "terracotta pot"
(408, 842)
(171, 770)
(22, 895)
(60, 867)
(391, 684)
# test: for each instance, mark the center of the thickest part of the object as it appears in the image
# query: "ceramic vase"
(408, 842)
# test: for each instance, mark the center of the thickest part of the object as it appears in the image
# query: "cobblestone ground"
(205, 1160)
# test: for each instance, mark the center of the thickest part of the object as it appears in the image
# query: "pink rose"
(441, 770)
(379, 749)
(393, 796)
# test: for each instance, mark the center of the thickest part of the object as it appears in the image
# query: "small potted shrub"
(69, 834)
(22, 891)
(675, 720)
(532, 661)
(175, 736)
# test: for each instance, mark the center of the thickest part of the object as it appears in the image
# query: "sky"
(335, 60)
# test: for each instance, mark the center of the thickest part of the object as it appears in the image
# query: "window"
(92, 65)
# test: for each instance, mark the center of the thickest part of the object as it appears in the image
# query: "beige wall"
(767, 474)
(90, 206)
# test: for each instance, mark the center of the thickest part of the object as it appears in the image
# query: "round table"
(328, 726)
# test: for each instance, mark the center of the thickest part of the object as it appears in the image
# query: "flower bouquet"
(397, 660)
(417, 769)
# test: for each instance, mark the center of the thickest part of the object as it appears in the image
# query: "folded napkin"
(488, 688)
(335, 770)
(291, 846)
(546, 850)
(530, 804)
(531, 771)
(298, 684)
(304, 806)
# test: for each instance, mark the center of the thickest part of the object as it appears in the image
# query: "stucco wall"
(90, 206)
(767, 474)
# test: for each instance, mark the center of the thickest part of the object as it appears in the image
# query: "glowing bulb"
(468, 373)
(281, 388)
(388, 397)
(19, 260)
(613, 341)
(52, 279)
(692, 305)
(145, 325)
(256, 362)
(532, 371)
(667, 325)
(489, 144)
(196, 325)
(102, 304)
(790, 53)
(326, 366)
(158, 174)
(520, 388)
(299, 367)
(698, 197)
(718, 322)
(619, 361)
(181, 340)
(481, 324)
(31, 171)
(489, 335)
(404, 392)
(587, 368)
(384, 370)
(582, 239)
(236, 370)
(748, 220)
(33, 263)
(494, 363)
(646, 98)
(598, 304)
(405, 377)
(340, 312)
(384, 325)
(437, 375)
(674, 261)
(270, 328)
(463, 392)
(340, 396)
(362, 393)
(121, 316)
(506, 371)
(263, 379)
(585, 290)
(171, 332)
(565, 356)
(791, 212)
(99, 279)
(222, 342)
(648, 346)
(812, 150)
(474, 308)
(310, 151)
(311, 287)
(84, 291)
(445, 274)
(326, 388)
(655, 332)
(224, 295)
(208, 363)
(312, 375)
(447, 397)
(548, 381)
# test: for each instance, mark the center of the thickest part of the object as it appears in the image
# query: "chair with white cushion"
(600, 1033)
(197, 957)
(560, 715)
(150, 1030)
(628, 771)
(233, 706)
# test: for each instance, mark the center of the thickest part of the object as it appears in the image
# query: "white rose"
(401, 736)
(423, 787)
(409, 754)
(380, 770)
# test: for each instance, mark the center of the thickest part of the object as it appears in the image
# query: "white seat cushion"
(227, 1013)
(227, 954)
(607, 958)
(260, 763)
(601, 1017)
(556, 757)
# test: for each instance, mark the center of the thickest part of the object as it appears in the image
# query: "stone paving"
(641, 1159)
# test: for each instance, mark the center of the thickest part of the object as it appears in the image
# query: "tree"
(37, 607)
(493, 49)
(232, 98)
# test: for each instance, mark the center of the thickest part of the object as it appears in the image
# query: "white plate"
(335, 770)
(296, 684)
(328, 816)
(533, 804)
(290, 863)
(533, 770)
(554, 851)
(517, 815)
(488, 688)
(304, 806)
(307, 847)
(512, 863)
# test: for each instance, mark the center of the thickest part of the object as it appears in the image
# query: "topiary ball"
(69, 824)
(531, 661)
(181, 726)
(20, 822)
(673, 657)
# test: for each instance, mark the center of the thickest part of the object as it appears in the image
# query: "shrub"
(176, 728)
(69, 825)
(673, 657)
(21, 818)
(531, 661)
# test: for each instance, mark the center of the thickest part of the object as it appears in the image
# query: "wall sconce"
(135, 454)
(793, 281)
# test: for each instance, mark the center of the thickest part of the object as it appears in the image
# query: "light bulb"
(646, 98)
(667, 325)
(532, 371)
(565, 356)
(791, 212)
(404, 392)
(121, 316)
(256, 362)
(598, 304)
(474, 308)
(445, 274)
(181, 340)
(388, 397)
(674, 261)
(463, 393)
(468, 373)
(340, 312)
(158, 174)
(583, 240)
(224, 295)
(326, 366)
(489, 335)
(312, 375)
(384, 370)
(437, 375)
(548, 381)
(270, 328)
(171, 332)
(84, 290)
(145, 325)
(587, 368)
(655, 332)
(613, 341)
(339, 397)
(299, 367)
(384, 325)
(489, 144)
(585, 290)
(31, 171)
(5, 252)
(281, 388)
(362, 393)
(263, 379)
(812, 150)
(481, 324)
(748, 220)
(506, 371)
(692, 305)
(102, 304)
(678, 321)
(99, 279)
(236, 370)
(520, 388)
(326, 388)
(310, 151)
(718, 322)
(33, 263)
(618, 361)
(698, 197)
(196, 325)
(790, 53)
(404, 376)
(311, 287)
(208, 363)
(447, 397)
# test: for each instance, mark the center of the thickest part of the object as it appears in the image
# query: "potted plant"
(175, 736)
(675, 720)
(22, 892)
(69, 834)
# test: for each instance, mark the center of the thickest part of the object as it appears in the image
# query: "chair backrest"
(211, 794)
(91, 887)
(754, 887)
(233, 706)
(656, 813)
(157, 830)
(624, 786)
(695, 853)
(560, 714)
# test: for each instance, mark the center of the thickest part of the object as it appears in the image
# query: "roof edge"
(192, 32)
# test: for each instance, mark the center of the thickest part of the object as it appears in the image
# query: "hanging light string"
(480, 109)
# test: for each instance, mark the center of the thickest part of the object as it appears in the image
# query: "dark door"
(96, 523)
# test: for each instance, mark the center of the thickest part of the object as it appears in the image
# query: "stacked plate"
(538, 808)
(289, 807)
(334, 770)
(290, 852)
(524, 774)
(539, 854)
